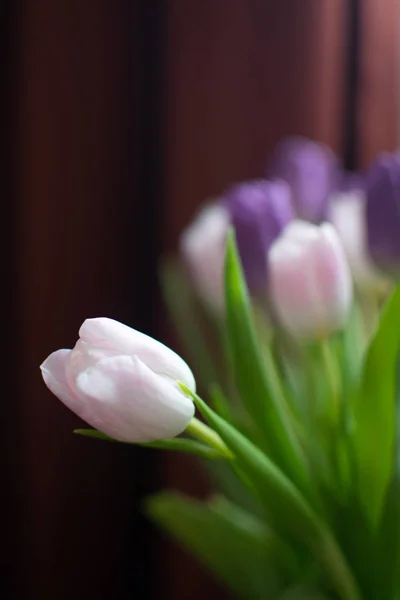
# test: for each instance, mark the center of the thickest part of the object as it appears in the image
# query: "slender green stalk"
(205, 434)
(330, 555)
(333, 376)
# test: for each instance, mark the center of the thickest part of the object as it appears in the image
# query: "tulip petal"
(259, 210)
(300, 231)
(383, 210)
(202, 246)
(292, 288)
(119, 338)
(310, 280)
(54, 373)
(129, 402)
(311, 170)
(83, 356)
(333, 276)
(348, 216)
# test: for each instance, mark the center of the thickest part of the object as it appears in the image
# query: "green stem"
(340, 412)
(333, 375)
(331, 556)
(205, 434)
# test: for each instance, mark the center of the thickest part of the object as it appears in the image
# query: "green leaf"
(285, 502)
(177, 444)
(188, 446)
(185, 317)
(220, 403)
(94, 433)
(233, 544)
(388, 555)
(279, 553)
(225, 480)
(374, 412)
(351, 344)
(257, 378)
(302, 592)
(354, 535)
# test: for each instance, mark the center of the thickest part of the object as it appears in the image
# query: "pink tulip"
(122, 382)
(202, 247)
(310, 280)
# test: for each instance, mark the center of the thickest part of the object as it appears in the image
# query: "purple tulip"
(383, 210)
(311, 170)
(259, 210)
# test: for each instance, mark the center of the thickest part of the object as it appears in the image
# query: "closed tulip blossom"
(348, 215)
(311, 170)
(309, 280)
(383, 211)
(259, 210)
(202, 247)
(122, 382)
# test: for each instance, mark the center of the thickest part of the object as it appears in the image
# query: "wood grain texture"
(378, 91)
(239, 75)
(74, 252)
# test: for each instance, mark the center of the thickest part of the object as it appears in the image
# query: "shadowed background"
(119, 119)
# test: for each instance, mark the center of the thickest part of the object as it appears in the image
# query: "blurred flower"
(202, 247)
(310, 281)
(122, 382)
(311, 170)
(347, 213)
(259, 210)
(383, 210)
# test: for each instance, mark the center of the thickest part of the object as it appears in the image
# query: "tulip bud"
(383, 211)
(122, 382)
(259, 210)
(347, 213)
(310, 281)
(202, 247)
(311, 170)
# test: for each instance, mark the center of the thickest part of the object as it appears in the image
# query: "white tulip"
(122, 382)
(310, 281)
(347, 213)
(202, 247)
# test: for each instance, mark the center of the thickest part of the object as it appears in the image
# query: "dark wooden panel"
(378, 92)
(76, 242)
(240, 74)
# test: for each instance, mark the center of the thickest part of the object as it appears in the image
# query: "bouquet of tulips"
(286, 301)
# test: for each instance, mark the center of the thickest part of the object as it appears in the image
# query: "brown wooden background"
(120, 118)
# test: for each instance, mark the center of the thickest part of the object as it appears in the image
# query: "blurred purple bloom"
(259, 210)
(311, 169)
(383, 209)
